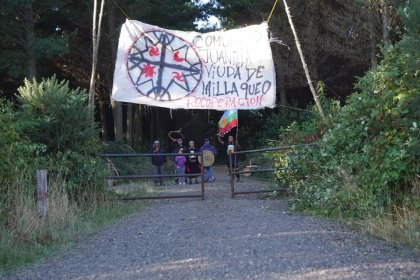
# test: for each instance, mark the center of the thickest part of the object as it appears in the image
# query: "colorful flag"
(228, 121)
(222, 70)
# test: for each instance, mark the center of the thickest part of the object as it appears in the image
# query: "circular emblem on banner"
(163, 66)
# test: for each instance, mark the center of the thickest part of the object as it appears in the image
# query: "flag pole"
(237, 129)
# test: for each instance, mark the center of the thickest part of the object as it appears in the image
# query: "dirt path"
(221, 238)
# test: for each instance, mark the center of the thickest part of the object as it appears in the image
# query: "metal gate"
(137, 176)
(233, 172)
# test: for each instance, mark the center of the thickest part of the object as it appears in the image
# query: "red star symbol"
(149, 70)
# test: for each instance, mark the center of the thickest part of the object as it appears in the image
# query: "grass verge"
(25, 238)
(400, 225)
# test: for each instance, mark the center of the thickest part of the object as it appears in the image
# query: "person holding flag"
(228, 121)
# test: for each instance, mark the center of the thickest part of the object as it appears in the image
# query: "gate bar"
(162, 197)
(271, 149)
(201, 174)
(122, 177)
(258, 191)
(274, 149)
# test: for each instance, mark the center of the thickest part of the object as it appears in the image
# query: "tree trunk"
(118, 121)
(372, 38)
(138, 131)
(129, 133)
(29, 41)
(152, 125)
(282, 84)
(305, 67)
(281, 76)
(96, 36)
(104, 112)
(116, 106)
(385, 25)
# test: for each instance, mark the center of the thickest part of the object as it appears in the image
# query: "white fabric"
(175, 69)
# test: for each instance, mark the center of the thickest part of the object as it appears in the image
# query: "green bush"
(17, 154)
(58, 118)
(368, 156)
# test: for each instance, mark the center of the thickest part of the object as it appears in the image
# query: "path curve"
(223, 238)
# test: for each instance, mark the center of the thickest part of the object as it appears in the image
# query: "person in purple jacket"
(208, 171)
(180, 166)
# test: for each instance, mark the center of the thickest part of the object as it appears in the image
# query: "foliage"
(16, 153)
(57, 118)
(30, 26)
(126, 165)
(369, 158)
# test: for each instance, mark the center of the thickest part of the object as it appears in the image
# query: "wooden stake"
(302, 58)
(41, 193)
(96, 36)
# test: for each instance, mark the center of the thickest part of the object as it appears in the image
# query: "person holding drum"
(209, 151)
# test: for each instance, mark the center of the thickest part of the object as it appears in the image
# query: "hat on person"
(156, 142)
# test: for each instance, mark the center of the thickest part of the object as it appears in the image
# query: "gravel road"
(223, 238)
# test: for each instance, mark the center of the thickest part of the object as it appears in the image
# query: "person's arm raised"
(220, 139)
(172, 131)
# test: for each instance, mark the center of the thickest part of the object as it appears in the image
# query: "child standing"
(180, 166)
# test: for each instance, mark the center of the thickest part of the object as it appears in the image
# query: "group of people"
(186, 161)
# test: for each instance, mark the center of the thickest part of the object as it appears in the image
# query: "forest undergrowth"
(365, 165)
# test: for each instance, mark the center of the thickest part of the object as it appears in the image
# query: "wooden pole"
(302, 58)
(96, 36)
(112, 172)
(41, 193)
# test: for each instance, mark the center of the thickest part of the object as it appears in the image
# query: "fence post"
(202, 175)
(110, 182)
(232, 176)
(41, 193)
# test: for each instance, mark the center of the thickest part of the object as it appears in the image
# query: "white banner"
(174, 69)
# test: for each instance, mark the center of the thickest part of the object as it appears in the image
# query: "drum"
(208, 158)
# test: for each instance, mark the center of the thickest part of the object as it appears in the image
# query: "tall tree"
(96, 38)
(29, 32)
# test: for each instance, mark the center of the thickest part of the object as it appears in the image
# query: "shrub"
(16, 154)
(367, 160)
(58, 118)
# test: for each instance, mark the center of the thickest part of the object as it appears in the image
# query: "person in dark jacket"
(231, 146)
(192, 166)
(157, 162)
